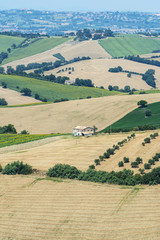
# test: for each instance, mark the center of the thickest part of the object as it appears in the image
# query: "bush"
(121, 164)
(17, 168)
(97, 162)
(92, 167)
(151, 161)
(26, 92)
(126, 160)
(63, 171)
(148, 113)
(24, 132)
(147, 140)
(4, 84)
(106, 155)
(134, 164)
(147, 165)
(141, 170)
(142, 103)
(143, 143)
(3, 102)
(8, 129)
(139, 160)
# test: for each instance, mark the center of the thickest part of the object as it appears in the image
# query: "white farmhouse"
(83, 131)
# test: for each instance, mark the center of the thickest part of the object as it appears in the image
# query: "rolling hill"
(53, 91)
(62, 117)
(7, 41)
(35, 208)
(36, 47)
(97, 71)
(125, 45)
(138, 118)
(69, 50)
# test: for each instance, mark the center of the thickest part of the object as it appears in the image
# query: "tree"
(142, 103)
(4, 84)
(110, 88)
(1, 70)
(147, 165)
(126, 160)
(3, 102)
(127, 89)
(147, 140)
(97, 161)
(26, 92)
(148, 113)
(121, 164)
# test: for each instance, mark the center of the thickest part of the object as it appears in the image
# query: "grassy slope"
(7, 41)
(52, 91)
(137, 118)
(129, 45)
(35, 48)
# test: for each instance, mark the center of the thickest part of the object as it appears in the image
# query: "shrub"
(63, 171)
(151, 161)
(134, 164)
(141, 170)
(26, 92)
(17, 168)
(4, 84)
(147, 140)
(156, 158)
(92, 167)
(110, 151)
(142, 103)
(148, 113)
(106, 155)
(139, 160)
(121, 164)
(143, 143)
(97, 162)
(147, 165)
(24, 132)
(126, 160)
(3, 102)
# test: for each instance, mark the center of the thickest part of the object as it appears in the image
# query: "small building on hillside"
(83, 131)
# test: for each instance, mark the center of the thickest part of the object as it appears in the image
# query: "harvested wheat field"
(15, 98)
(68, 50)
(83, 152)
(97, 71)
(72, 210)
(63, 117)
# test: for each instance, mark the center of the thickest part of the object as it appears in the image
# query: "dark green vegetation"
(137, 120)
(34, 47)
(87, 34)
(125, 177)
(144, 60)
(3, 102)
(126, 45)
(52, 91)
(17, 168)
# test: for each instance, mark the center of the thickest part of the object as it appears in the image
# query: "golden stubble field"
(63, 117)
(15, 98)
(97, 71)
(34, 209)
(82, 152)
(68, 50)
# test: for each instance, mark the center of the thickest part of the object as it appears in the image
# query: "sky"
(83, 5)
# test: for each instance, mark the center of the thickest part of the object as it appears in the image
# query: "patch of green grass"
(7, 41)
(35, 48)
(53, 91)
(148, 91)
(14, 139)
(137, 118)
(59, 56)
(129, 45)
(25, 105)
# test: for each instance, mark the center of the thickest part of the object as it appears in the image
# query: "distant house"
(83, 131)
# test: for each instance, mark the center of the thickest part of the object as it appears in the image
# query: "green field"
(35, 48)
(7, 41)
(53, 91)
(14, 139)
(125, 45)
(137, 118)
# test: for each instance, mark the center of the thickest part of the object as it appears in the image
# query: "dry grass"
(62, 117)
(83, 152)
(97, 71)
(15, 98)
(72, 210)
(69, 50)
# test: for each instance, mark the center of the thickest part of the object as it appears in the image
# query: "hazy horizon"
(84, 5)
